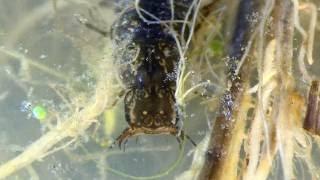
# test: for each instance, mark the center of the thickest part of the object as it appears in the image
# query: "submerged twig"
(312, 119)
(17, 56)
(232, 102)
(71, 128)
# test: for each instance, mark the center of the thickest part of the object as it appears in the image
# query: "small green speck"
(217, 47)
(39, 112)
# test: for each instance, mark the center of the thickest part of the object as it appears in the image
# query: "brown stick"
(220, 138)
(312, 109)
(221, 134)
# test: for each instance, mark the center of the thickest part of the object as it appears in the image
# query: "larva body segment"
(148, 56)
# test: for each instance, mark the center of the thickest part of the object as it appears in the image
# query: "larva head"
(150, 108)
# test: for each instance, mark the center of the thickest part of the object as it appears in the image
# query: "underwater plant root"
(69, 129)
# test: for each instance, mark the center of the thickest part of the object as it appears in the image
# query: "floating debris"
(39, 112)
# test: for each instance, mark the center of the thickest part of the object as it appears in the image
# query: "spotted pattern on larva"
(148, 56)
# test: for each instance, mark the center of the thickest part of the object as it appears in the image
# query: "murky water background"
(47, 60)
(51, 40)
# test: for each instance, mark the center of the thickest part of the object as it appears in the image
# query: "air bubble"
(25, 106)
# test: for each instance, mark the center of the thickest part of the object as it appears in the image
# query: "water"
(46, 61)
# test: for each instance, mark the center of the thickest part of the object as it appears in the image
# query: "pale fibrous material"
(265, 138)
